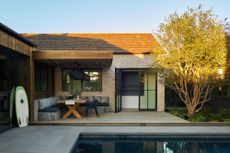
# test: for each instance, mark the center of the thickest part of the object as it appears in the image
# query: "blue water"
(124, 144)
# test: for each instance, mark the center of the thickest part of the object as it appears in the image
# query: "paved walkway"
(122, 118)
(60, 139)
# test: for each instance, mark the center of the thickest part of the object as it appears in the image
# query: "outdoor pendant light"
(77, 73)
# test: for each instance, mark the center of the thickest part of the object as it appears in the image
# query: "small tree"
(193, 48)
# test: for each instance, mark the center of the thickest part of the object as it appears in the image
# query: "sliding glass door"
(135, 89)
(147, 98)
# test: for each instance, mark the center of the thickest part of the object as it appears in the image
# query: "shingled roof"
(119, 43)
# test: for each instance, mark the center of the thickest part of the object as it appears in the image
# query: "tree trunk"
(193, 95)
(191, 111)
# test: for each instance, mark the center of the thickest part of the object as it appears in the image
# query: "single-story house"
(116, 62)
(116, 65)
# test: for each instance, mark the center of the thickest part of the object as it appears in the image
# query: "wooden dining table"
(72, 108)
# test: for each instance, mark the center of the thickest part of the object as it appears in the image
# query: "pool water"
(151, 144)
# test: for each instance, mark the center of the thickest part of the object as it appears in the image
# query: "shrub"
(198, 118)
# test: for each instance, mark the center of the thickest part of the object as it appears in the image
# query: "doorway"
(135, 89)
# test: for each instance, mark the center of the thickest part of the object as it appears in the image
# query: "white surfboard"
(22, 107)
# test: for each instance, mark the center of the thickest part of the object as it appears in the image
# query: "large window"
(148, 87)
(69, 84)
(93, 82)
(43, 77)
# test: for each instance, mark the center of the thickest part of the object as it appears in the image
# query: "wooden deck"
(121, 118)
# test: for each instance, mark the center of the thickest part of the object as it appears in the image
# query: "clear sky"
(63, 16)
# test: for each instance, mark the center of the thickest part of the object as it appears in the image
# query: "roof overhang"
(67, 58)
(16, 35)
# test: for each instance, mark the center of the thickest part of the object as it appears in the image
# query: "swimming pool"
(151, 144)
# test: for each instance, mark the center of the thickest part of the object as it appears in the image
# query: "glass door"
(118, 98)
(147, 98)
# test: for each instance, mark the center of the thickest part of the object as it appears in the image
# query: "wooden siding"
(16, 45)
(13, 43)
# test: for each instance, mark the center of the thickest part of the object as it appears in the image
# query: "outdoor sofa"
(102, 103)
(47, 109)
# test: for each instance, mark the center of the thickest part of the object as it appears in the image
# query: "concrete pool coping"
(61, 139)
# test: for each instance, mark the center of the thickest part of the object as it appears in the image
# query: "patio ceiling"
(67, 58)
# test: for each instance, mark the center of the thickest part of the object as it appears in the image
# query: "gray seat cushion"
(43, 103)
(53, 108)
(104, 99)
(90, 99)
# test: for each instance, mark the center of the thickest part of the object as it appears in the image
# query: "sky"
(97, 16)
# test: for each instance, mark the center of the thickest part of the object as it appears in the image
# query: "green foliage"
(179, 113)
(193, 47)
(197, 118)
(205, 115)
(224, 112)
(201, 116)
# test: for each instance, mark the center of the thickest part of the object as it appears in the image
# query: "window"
(94, 82)
(148, 87)
(69, 84)
(44, 75)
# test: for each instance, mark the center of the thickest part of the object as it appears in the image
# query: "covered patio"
(121, 118)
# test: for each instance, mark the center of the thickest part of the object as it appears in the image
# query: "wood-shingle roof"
(119, 43)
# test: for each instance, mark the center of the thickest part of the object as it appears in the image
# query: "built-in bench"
(47, 109)
(102, 103)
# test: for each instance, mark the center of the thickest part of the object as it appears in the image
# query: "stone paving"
(60, 139)
(122, 118)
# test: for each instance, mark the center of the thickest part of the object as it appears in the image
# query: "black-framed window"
(44, 77)
(94, 82)
(148, 91)
(69, 84)
(41, 78)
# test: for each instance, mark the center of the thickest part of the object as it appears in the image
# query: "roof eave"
(16, 35)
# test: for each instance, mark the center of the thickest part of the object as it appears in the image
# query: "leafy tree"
(193, 49)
